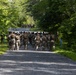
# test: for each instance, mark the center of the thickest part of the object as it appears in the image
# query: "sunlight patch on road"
(31, 51)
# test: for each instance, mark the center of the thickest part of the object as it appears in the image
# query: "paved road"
(30, 62)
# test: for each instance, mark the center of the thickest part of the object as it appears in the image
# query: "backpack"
(12, 41)
(37, 38)
(44, 38)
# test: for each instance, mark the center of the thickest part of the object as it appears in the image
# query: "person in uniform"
(37, 41)
(25, 40)
(17, 41)
(48, 41)
(11, 40)
(21, 39)
(52, 42)
(33, 39)
(44, 42)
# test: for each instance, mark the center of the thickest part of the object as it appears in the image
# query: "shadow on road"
(27, 62)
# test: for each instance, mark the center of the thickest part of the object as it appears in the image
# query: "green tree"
(56, 15)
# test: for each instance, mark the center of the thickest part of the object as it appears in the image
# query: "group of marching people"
(13, 41)
(36, 40)
(42, 41)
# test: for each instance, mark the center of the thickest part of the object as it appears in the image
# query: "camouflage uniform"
(11, 39)
(37, 41)
(44, 42)
(21, 39)
(30, 38)
(25, 40)
(33, 40)
(52, 41)
(48, 41)
(17, 42)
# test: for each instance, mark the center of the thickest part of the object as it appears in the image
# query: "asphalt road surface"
(31, 62)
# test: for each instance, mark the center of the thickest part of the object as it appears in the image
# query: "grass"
(67, 53)
(3, 48)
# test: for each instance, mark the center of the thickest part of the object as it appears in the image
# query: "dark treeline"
(56, 15)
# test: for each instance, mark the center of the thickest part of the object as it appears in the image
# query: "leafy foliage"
(13, 14)
(56, 15)
(49, 15)
(3, 48)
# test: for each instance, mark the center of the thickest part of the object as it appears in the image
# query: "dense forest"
(47, 15)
